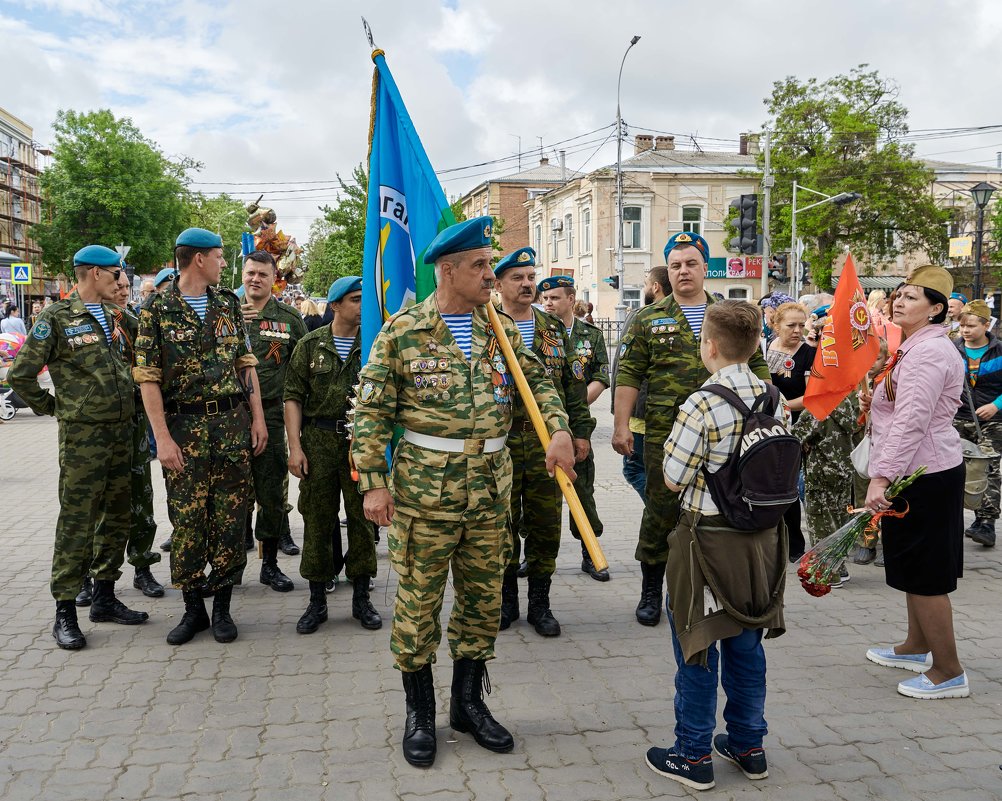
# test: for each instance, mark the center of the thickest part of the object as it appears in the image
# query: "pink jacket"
(916, 428)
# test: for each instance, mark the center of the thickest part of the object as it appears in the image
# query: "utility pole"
(767, 183)
(620, 267)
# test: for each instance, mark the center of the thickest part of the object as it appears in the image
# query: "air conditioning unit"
(556, 225)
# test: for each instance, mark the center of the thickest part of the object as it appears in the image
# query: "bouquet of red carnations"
(821, 565)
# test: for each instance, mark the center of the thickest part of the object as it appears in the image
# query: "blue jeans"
(742, 675)
(633, 466)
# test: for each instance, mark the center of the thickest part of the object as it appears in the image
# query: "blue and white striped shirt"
(343, 346)
(98, 311)
(527, 328)
(461, 326)
(694, 316)
(199, 303)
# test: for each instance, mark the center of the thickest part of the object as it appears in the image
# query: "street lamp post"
(620, 269)
(981, 193)
(841, 199)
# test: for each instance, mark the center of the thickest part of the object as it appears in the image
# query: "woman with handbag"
(977, 418)
(911, 415)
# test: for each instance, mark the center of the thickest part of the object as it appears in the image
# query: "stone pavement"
(277, 715)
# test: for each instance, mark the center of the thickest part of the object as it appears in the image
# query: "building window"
(631, 297)
(631, 227)
(538, 239)
(737, 293)
(586, 231)
(569, 232)
(692, 219)
(554, 242)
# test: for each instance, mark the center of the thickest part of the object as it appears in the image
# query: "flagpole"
(532, 409)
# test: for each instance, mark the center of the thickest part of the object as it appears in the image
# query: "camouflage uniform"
(196, 364)
(322, 383)
(992, 431)
(829, 476)
(94, 405)
(449, 506)
(273, 337)
(588, 358)
(660, 346)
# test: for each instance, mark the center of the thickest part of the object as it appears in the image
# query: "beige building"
(665, 191)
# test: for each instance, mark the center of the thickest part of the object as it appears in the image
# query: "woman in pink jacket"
(912, 425)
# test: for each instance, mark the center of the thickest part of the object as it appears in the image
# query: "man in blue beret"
(661, 346)
(536, 500)
(78, 340)
(588, 359)
(954, 311)
(195, 368)
(438, 372)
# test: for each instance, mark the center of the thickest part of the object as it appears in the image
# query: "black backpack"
(759, 481)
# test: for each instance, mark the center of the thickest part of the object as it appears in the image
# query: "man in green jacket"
(78, 340)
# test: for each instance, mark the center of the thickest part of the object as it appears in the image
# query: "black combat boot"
(65, 629)
(249, 532)
(167, 543)
(588, 566)
(419, 743)
(361, 607)
(86, 594)
(270, 574)
(467, 711)
(523, 568)
(316, 612)
(194, 620)
(651, 594)
(286, 543)
(106, 608)
(509, 598)
(985, 534)
(538, 613)
(223, 627)
(147, 584)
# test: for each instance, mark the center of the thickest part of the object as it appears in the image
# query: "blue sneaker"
(752, 762)
(922, 687)
(916, 663)
(697, 773)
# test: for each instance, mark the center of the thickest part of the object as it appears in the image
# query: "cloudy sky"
(270, 96)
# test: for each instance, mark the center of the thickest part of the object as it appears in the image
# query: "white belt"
(471, 447)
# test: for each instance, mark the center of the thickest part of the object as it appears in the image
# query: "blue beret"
(344, 285)
(821, 311)
(198, 238)
(555, 281)
(240, 291)
(958, 296)
(523, 257)
(688, 238)
(164, 275)
(467, 235)
(98, 255)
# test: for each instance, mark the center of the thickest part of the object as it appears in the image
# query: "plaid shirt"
(706, 432)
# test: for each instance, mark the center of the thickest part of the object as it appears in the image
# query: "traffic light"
(747, 223)
(613, 281)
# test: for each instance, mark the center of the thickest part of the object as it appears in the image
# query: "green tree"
(227, 217)
(842, 135)
(108, 184)
(337, 240)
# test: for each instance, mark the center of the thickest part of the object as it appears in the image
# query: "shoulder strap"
(728, 395)
(768, 401)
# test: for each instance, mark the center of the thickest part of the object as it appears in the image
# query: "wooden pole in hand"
(532, 409)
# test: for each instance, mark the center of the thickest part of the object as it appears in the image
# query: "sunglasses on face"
(116, 272)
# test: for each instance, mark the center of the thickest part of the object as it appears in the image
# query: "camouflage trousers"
(992, 431)
(320, 494)
(826, 502)
(535, 506)
(94, 461)
(421, 552)
(143, 525)
(584, 485)
(661, 507)
(207, 500)
(270, 470)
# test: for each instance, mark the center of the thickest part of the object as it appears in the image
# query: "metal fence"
(612, 330)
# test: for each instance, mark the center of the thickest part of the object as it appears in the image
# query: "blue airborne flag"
(406, 209)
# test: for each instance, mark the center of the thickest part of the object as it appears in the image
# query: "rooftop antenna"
(695, 144)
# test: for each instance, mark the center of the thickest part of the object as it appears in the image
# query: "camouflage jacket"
(419, 379)
(190, 359)
(829, 443)
(90, 375)
(318, 378)
(588, 356)
(552, 347)
(128, 321)
(660, 346)
(273, 337)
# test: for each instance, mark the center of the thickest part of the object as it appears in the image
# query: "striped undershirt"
(343, 346)
(98, 311)
(461, 326)
(199, 303)
(694, 316)
(527, 328)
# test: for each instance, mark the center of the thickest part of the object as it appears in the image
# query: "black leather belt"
(208, 407)
(269, 403)
(326, 423)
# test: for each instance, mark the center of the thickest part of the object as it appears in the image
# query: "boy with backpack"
(732, 457)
